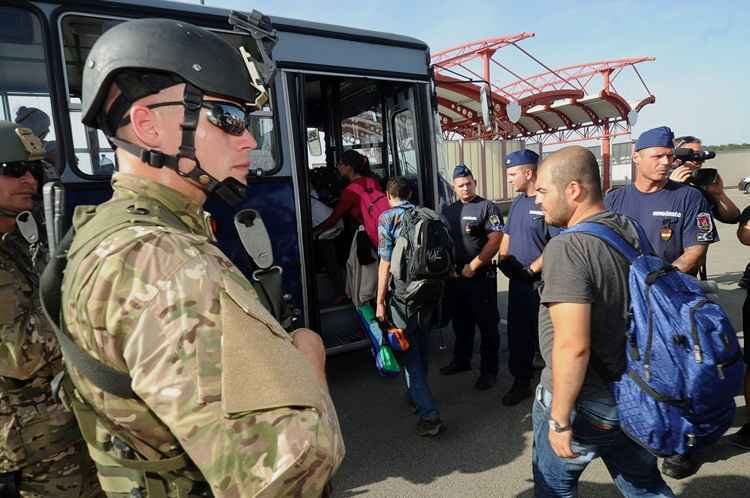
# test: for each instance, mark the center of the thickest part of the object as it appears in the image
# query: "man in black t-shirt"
(476, 227)
(584, 299)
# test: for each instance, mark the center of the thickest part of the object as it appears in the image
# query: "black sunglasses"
(19, 168)
(228, 116)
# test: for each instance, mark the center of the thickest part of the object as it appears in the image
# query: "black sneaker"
(679, 466)
(485, 381)
(742, 437)
(430, 427)
(519, 391)
(453, 368)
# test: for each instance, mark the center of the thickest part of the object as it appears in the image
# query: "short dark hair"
(684, 140)
(398, 187)
(575, 163)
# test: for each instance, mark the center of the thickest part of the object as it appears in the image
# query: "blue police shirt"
(470, 224)
(527, 230)
(674, 218)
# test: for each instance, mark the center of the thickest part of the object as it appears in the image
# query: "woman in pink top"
(356, 168)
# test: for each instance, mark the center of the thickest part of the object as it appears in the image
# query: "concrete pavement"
(486, 451)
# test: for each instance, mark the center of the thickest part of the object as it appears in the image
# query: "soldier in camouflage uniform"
(224, 401)
(42, 453)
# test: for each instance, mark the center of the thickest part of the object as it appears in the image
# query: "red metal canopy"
(557, 106)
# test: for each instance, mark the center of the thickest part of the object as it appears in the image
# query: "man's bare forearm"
(504, 246)
(488, 251)
(570, 356)
(384, 278)
(726, 210)
(691, 259)
(537, 265)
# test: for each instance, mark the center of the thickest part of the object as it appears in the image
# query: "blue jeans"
(414, 361)
(596, 433)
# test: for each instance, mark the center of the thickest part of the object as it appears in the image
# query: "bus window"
(85, 139)
(263, 158)
(94, 154)
(404, 129)
(24, 90)
(362, 122)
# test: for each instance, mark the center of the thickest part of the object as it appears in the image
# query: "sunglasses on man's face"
(227, 116)
(20, 168)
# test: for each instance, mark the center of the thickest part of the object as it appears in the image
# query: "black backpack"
(422, 257)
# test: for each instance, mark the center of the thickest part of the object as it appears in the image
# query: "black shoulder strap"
(102, 376)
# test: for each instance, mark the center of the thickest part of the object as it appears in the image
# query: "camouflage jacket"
(152, 301)
(33, 426)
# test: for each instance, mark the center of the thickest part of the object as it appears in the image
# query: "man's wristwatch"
(559, 428)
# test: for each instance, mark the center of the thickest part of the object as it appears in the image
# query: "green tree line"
(728, 147)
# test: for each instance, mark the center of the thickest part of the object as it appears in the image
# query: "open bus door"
(384, 119)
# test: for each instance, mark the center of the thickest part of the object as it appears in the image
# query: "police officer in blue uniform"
(521, 261)
(676, 216)
(476, 226)
(677, 219)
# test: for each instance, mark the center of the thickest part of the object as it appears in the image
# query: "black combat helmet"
(18, 144)
(143, 57)
(195, 55)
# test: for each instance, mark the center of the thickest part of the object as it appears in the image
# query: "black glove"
(510, 266)
(528, 275)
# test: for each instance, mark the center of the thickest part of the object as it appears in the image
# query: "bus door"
(378, 118)
(410, 140)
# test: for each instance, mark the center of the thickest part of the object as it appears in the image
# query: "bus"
(335, 88)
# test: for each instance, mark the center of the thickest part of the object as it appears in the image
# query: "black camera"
(685, 154)
(703, 177)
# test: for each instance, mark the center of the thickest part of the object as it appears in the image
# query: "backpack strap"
(630, 253)
(614, 239)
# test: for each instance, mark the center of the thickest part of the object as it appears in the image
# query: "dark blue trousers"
(523, 328)
(473, 302)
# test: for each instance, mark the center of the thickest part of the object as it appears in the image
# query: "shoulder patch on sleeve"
(705, 222)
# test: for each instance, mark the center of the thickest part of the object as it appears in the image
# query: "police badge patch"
(495, 219)
(705, 227)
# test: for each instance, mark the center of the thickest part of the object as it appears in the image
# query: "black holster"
(9, 483)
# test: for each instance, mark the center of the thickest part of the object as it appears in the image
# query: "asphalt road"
(486, 451)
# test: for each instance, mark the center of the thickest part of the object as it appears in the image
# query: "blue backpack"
(683, 357)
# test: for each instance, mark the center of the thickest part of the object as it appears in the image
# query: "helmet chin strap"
(230, 190)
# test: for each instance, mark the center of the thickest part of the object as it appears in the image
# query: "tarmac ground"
(486, 451)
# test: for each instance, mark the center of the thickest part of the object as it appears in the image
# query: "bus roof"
(280, 23)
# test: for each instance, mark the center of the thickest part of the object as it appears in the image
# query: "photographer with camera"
(689, 156)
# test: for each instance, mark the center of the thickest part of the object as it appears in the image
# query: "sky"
(700, 78)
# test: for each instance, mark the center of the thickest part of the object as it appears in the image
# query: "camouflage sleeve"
(174, 355)
(26, 343)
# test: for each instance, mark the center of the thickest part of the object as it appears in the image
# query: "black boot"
(679, 466)
(453, 368)
(519, 391)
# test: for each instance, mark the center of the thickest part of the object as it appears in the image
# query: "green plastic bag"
(385, 360)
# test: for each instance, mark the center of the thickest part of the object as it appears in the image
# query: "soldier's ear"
(145, 125)
(636, 157)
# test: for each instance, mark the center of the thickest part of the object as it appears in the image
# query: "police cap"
(461, 171)
(656, 137)
(520, 158)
